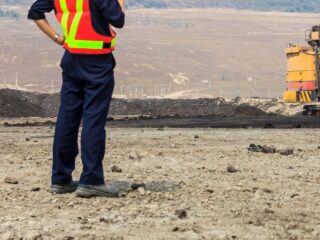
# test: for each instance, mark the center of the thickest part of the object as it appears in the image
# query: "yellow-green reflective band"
(65, 16)
(70, 38)
(85, 44)
(76, 20)
(113, 42)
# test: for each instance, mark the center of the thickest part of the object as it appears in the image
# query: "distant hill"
(264, 5)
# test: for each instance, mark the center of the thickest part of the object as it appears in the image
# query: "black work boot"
(88, 191)
(64, 188)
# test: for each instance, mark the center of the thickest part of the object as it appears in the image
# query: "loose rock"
(11, 180)
(35, 189)
(135, 186)
(267, 190)
(142, 190)
(116, 169)
(286, 152)
(181, 213)
(209, 191)
(231, 169)
(258, 148)
(175, 229)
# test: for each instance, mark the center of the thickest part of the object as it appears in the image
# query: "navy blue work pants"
(87, 88)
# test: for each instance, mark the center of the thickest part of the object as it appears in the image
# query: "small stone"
(181, 213)
(175, 229)
(231, 169)
(135, 186)
(116, 169)
(122, 194)
(35, 189)
(182, 183)
(286, 152)
(158, 167)
(267, 190)
(258, 148)
(27, 139)
(68, 238)
(104, 220)
(142, 190)
(129, 175)
(196, 136)
(169, 196)
(294, 195)
(11, 180)
(32, 235)
(131, 157)
(209, 191)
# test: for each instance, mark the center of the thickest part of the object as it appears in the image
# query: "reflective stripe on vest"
(99, 45)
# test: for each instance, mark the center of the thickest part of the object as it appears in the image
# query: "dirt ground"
(261, 196)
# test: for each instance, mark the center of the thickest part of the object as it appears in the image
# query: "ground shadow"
(153, 186)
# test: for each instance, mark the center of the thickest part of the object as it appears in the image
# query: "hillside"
(264, 5)
(170, 53)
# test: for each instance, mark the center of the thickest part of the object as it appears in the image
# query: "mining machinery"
(303, 76)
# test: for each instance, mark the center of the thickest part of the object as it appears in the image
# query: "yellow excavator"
(303, 78)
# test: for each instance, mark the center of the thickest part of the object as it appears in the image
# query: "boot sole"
(88, 193)
(62, 190)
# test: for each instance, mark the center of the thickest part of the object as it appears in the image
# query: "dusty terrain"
(186, 53)
(261, 196)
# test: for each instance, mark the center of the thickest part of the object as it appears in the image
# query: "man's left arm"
(112, 11)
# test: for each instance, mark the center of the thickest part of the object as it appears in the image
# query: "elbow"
(32, 15)
(120, 25)
(119, 22)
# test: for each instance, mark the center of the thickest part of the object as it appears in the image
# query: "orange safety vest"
(74, 17)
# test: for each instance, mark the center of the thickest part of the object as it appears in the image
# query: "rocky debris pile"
(270, 105)
(270, 149)
(14, 103)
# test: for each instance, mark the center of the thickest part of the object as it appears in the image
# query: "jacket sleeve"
(111, 12)
(39, 8)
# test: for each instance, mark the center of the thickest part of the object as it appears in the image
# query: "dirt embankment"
(27, 104)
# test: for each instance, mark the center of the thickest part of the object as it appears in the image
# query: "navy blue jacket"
(103, 13)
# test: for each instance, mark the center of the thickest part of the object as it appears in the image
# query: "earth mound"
(14, 103)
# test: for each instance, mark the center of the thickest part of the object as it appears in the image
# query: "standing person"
(88, 82)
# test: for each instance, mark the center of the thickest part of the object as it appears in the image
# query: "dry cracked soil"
(199, 184)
